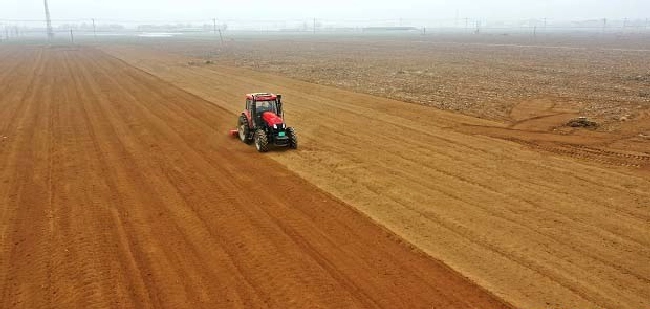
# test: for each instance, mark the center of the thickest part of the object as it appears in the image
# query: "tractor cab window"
(266, 106)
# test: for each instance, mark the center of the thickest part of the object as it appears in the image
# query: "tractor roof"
(261, 96)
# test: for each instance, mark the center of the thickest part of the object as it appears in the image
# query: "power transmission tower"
(94, 30)
(50, 32)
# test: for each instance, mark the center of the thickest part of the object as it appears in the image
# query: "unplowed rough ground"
(603, 76)
(120, 190)
(540, 230)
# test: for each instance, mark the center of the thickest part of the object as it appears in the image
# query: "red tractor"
(261, 122)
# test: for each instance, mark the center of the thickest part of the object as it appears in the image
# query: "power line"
(50, 33)
(317, 24)
(40, 20)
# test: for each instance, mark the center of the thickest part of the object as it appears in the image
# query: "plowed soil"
(121, 190)
(538, 229)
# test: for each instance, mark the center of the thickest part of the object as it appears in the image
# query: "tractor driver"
(265, 106)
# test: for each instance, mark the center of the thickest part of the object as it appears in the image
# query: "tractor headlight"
(275, 126)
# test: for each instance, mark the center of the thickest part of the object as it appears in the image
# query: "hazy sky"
(324, 9)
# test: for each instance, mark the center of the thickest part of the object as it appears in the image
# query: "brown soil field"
(120, 190)
(541, 219)
(527, 84)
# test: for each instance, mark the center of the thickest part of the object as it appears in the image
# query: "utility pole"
(50, 32)
(221, 36)
(214, 26)
(94, 30)
(545, 23)
(71, 36)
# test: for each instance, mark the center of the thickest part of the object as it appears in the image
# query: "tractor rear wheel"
(261, 141)
(243, 129)
(293, 139)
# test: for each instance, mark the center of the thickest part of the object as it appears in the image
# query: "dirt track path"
(538, 230)
(119, 190)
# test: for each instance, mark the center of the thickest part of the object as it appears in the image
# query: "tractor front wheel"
(293, 139)
(261, 141)
(243, 130)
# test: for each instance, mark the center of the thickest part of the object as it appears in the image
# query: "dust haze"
(334, 9)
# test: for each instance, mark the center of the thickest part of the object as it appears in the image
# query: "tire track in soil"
(569, 146)
(598, 155)
(122, 191)
(26, 184)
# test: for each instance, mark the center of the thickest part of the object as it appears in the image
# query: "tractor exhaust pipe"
(279, 96)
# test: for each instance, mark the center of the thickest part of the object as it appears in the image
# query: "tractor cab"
(258, 105)
(262, 122)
